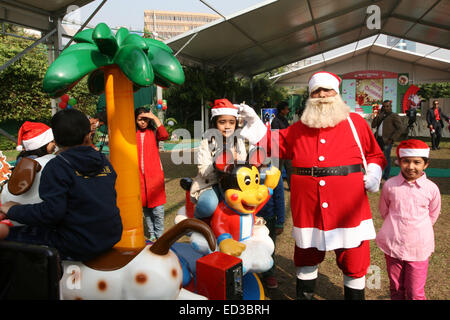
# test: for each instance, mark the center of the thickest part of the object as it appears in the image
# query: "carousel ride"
(118, 64)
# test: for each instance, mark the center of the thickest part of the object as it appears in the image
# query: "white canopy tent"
(277, 33)
(422, 68)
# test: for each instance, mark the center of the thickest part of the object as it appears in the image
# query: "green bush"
(6, 144)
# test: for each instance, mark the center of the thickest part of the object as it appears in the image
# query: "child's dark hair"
(213, 122)
(69, 127)
(39, 152)
(138, 111)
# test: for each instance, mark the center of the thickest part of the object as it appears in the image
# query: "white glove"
(247, 113)
(254, 130)
(372, 177)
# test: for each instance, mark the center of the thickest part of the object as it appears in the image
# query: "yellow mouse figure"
(234, 217)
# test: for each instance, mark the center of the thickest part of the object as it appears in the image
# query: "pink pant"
(407, 278)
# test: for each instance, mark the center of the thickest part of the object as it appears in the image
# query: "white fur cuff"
(355, 283)
(307, 272)
(254, 132)
(372, 177)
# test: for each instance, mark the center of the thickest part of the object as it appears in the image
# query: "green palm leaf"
(105, 40)
(70, 68)
(135, 65)
(165, 65)
(96, 82)
(143, 61)
(121, 34)
(135, 40)
(84, 36)
(159, 44)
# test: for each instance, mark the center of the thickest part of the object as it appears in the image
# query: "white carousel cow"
(153, 272)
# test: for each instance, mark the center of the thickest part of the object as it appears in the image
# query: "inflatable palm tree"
(117, 64)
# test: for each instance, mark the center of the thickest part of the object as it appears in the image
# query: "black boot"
(353, 294)
(305, 289)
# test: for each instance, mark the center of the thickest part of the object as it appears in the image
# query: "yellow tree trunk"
(123, 155)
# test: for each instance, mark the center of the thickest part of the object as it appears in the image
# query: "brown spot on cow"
(174, 273)
(141, 278)
(102, 285)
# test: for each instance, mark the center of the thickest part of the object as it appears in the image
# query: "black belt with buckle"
(327, 171)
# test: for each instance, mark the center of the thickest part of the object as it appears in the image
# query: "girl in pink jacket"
(410, 205)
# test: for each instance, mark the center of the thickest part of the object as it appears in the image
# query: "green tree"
(434, 90)
(21, 94)
(184, 102)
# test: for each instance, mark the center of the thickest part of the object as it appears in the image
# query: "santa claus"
(336, 159)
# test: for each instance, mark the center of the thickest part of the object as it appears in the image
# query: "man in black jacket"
(280, 122)
(435, 123)
(78, 215)
(389, 128)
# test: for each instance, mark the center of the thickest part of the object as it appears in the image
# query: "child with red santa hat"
(410, 205)
(221, 136)
(35, 140)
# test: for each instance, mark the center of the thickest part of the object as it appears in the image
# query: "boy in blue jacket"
(78, 216)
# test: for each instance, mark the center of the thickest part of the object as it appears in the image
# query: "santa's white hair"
(324, 112)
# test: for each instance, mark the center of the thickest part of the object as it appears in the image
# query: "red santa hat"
(324, 79)
(33, 135)
(413, 148)
(224, 107)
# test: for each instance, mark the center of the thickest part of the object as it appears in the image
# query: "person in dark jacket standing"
(435, 123)
(78, 216)
(389, 128)
(280, 122)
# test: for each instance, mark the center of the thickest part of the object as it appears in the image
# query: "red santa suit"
(330, 212)
(325, 215)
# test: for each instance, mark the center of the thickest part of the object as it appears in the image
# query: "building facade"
(167, 24)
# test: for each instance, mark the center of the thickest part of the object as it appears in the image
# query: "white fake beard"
(324, 112)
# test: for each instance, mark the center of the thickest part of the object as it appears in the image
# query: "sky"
(130, 13)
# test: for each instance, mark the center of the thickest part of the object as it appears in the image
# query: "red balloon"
(65, 98)
(62, 105)
(164, 107)
(160, 101)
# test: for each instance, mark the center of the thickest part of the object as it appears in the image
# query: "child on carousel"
(78, 214)
(205, 190)
(35, 141)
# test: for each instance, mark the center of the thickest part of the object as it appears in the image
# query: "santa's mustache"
(324, 112)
